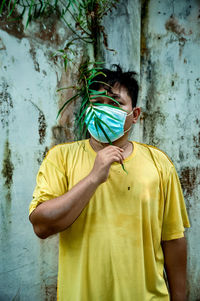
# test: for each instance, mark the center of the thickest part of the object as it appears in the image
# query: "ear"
(136, 114)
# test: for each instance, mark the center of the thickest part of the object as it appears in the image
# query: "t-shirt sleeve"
(51, 181)
(175, 218)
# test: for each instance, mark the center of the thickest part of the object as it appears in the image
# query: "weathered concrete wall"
(28, 108)
(170, 98)
(168, 63)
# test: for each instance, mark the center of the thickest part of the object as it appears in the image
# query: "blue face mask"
(112, 122)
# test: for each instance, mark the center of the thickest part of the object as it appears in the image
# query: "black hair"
(125, 79)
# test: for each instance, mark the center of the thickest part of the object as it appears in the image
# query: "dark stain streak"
(173, 26)
(7, 170)
(152, 115)
(197, 83)
(181, 155)
(151, 121)
(6, 104)
(144, 23)
(188, 179)
(42, 127)
(41, 123)
(33, 54)
(61, 134)
(50, 292)
(196, 149)
(42, 155)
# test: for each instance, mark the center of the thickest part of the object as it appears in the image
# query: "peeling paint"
(7, 170)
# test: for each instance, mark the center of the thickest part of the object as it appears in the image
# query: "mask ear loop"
(131, 125)
(129, 113)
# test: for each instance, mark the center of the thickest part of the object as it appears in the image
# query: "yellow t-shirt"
(112, 251)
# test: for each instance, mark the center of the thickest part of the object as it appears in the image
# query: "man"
(117, 229)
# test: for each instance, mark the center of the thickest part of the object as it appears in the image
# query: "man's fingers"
(118, 158)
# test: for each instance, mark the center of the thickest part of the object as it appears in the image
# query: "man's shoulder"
(155, 153)
(66, 147)
(59, 154)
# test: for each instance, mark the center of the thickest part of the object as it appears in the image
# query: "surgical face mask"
(112, 122)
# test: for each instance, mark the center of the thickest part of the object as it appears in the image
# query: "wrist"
(94, 179)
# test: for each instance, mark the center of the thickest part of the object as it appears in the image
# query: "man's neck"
(123, 143)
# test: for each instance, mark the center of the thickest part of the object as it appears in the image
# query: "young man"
(117, 230)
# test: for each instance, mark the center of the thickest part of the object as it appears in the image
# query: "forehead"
(119, 90)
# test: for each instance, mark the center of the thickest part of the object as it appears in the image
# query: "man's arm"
(58, 214)
(175, 258)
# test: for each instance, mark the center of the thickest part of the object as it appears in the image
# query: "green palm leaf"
(2, 5)
(73, 97)
(102, 122)
(82, 113)
(87, 124)
(100, 126)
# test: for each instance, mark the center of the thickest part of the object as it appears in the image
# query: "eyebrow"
(112, 95)
(117, 95)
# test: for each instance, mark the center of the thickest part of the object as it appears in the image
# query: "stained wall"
(157, 39)
(170, 48)
(29, 78)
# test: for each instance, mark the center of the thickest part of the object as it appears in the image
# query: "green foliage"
(34, 8)
(82, 17)
(86, 16)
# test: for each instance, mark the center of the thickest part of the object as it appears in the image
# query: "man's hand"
(103, 161)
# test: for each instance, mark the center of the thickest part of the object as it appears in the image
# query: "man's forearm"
(175, 257)
(57, 214)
